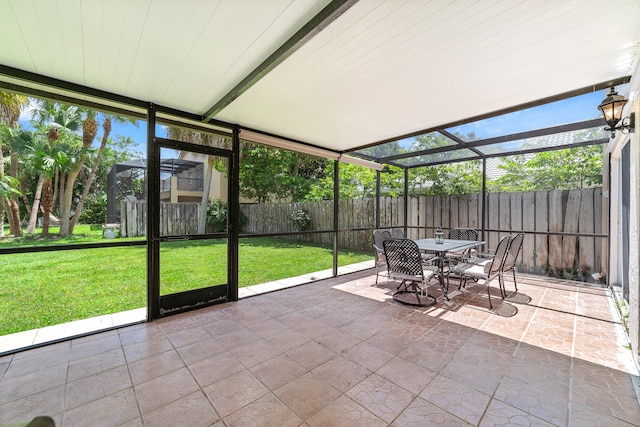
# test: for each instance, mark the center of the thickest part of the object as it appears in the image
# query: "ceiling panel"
(380, 70)
(385, 69)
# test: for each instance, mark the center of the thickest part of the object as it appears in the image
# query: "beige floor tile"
(408, 375)
(154, 366)
(266, 411)
(307, 395)
(456, 398)
(96, 364)
(344, 412)
(278, 371)
(164, 389)
(113, 410)
(548, 403)
(422, 413)
(97, 386)
(369, 356)
(311, 354)
(215, 368)
(235, 392)
(200, 350)
(193, 410)
(380, 396)
(500, 413)
(341, 373)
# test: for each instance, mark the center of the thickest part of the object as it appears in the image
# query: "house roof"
(340, 75)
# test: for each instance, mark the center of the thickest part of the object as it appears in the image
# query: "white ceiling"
(380, 70)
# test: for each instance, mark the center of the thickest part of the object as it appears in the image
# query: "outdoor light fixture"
(611, 108)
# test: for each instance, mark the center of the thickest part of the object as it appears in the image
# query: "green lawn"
(47, 288)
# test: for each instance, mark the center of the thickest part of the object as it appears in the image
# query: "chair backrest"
(463, 234)
(514, 250)
(403, 257)
(497, 263)
(397, 233)
(379, 236)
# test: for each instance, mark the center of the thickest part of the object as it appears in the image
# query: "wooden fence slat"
(586, 224)
(528, 224)
(430, 216)
(493, 220)
(601, 244)
(542, 224)
(515, 202)
(454, 212)
(475, 211)
(555, 225)
(505, 211)
(570, 226)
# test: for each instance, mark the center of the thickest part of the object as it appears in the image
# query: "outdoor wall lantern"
(611, 108)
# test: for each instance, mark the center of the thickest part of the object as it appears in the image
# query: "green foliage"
(95, 210)
(268, 173)
(301, 218)
(8, 186)
(570, 168)
(217, 216)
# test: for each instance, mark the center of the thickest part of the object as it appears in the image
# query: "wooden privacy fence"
(564, 232)
(175, 218)
(563, 228)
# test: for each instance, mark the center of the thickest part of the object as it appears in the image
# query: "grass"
(48, 288)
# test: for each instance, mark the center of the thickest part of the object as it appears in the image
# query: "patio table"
(447, 245)
(442, 248)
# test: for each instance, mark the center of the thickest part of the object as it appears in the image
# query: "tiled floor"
(340, 352)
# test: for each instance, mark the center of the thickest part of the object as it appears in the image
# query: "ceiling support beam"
(318, 23)
(460, 142)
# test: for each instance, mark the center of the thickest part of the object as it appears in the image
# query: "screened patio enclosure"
(341, 80)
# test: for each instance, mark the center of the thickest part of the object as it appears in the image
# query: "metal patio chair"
(512, 258)
(397, 233)
(405, 263)
(487, 269)
(453, 257)
(379, 237)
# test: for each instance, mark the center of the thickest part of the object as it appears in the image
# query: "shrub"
(217, 217)
(94, 210)
(301, 218)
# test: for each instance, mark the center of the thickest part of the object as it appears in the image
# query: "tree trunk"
(14, 218)
(58, 183)
(1, 220)
(47, 205)
(85, 193)
(33, 216)
(66, 198)
(5, 206)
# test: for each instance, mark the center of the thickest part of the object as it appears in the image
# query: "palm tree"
(10, 107)
(63, 122)
(106, 127)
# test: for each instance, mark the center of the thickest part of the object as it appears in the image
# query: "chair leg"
(489, 293)
(503, 290)
(515, 284)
